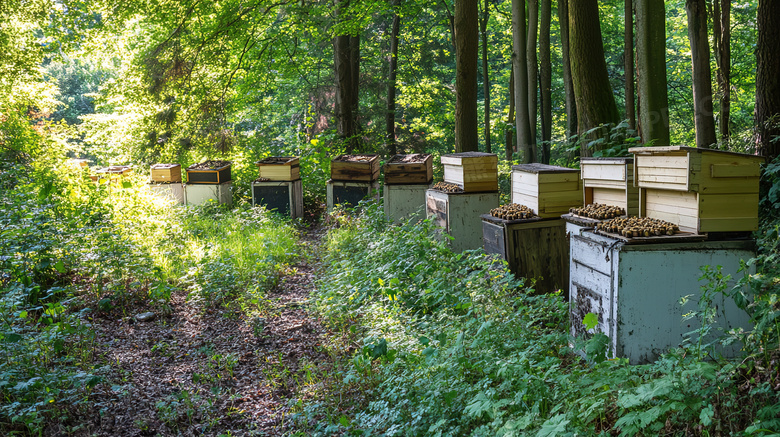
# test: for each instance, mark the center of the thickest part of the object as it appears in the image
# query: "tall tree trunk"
(568, 85)
(628, 62)
(347, 68)
(721, 29)
(390, 140)
(545, 82)
(593, 94)
(704, 120)
(533, 66)
(768, 79)
(466, 43)
(523, 127)
(509, 137)
(486, 72)
(651, 71)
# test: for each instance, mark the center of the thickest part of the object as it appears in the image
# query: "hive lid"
(616, 159)
(543, 168)
(662, 149)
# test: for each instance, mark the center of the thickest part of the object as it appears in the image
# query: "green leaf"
(344, 421)
(590, 321)
(60, 266)
(554, 426)
(12, 337)
(424, 341)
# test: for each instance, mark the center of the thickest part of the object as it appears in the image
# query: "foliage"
(451, 344)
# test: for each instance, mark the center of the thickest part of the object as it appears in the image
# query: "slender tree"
(391, 82)
(466, 43)
(721, 29)
(509, 137)
(568, 85)
(593, 94)
(768, 79)
(628, 61)
(533, 66)
(545, 79)
(523, 127)
(485, 71)
(651, 71)
(704, 121)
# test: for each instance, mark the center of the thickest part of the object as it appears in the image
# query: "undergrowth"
(71, 249)
(452, 344)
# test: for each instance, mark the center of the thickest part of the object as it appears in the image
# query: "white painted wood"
(402, 202)
(199, 194)
(635, 290)
(459, 216)
(173, 192)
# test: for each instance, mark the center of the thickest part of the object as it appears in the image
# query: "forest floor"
(214, 372)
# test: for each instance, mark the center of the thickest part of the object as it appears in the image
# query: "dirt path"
(212, 373)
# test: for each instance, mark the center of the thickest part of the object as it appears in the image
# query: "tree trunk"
(651, 71)
(768, 79)
(509, 137)
(721, 29)
(702, 76)
(390, 140)
(628, 62)
(545, 84)
(568, 85)
(486, 72)
(593, 94)
(466, 43)
(523, 127)
(533, 66)
(347, 68)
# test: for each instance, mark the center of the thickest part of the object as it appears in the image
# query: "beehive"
(547, 189)
(284, 197)
(279, 168)
(209, 172)
(363, 168)
(166, 173)
(610, 181)
(111, 173)
(409, 169)
(701, 190)
(475, 172)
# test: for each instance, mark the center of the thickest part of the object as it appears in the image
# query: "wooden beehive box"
(279, 168)
(610, 181)
(166, 173)
(473, 171)
(209, 172)
(363, 168)
(547, 189)
(700, 190)
(112, 172)
(411, 169)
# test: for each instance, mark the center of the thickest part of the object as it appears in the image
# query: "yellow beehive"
(700, 190)
(473, 171)
(279, 168)
(166, 173)
(547, 189)
(610, 181)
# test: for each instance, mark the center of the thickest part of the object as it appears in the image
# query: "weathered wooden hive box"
(533, 248)
(166, 173)
(635, 289)
(610, 181)
(547, 189)
(700, 190)
(209, 172)
(458, 214)
(279, 168)
(364, 168)
(410, 169)
(284, 197)
(475, 172)
(203, 193)
(349, 193)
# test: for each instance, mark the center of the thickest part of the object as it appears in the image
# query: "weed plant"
(453, 344)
